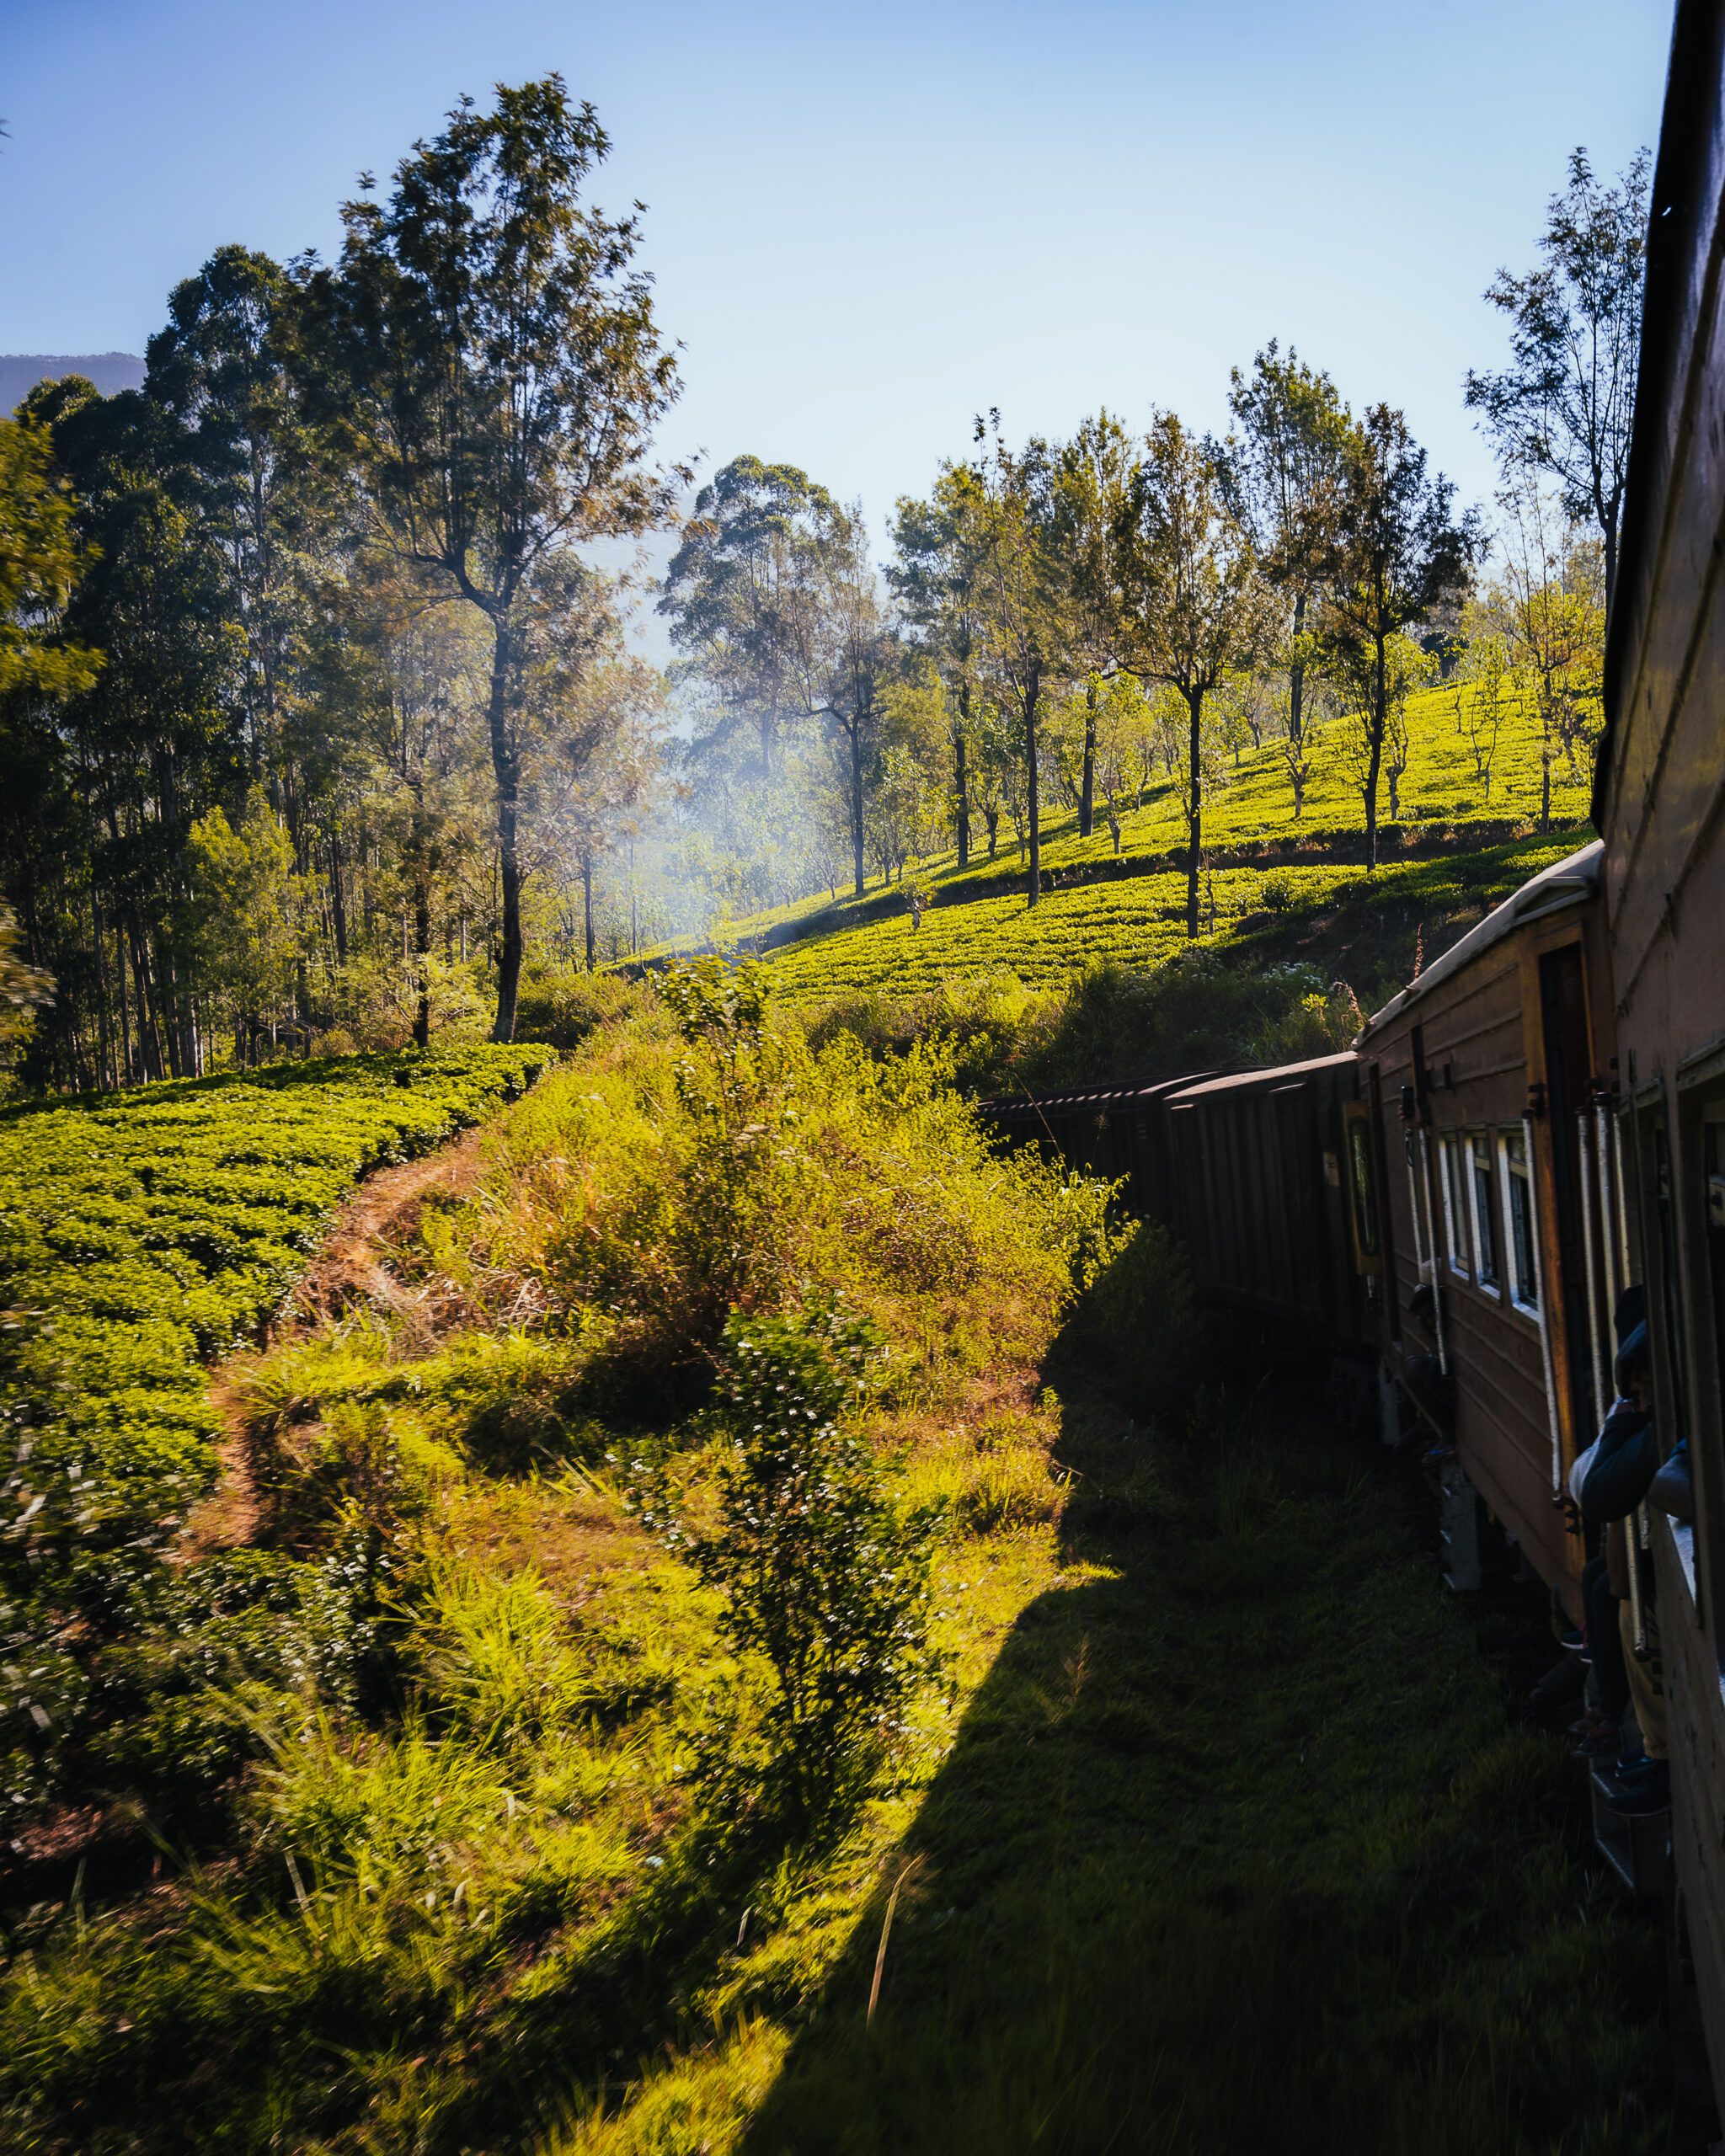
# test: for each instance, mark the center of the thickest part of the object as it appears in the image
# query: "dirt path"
(351, 1271)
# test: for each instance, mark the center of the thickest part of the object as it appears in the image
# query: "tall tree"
(1285, 465)
(1024, 600)
(936, 576)
(843, 653)
(736, 587)
(1397, 554)
(1091, 482)
(1192, 608)
(484, 358)
(1564, 404)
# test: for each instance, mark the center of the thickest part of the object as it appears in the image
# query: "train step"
(1635, 1845)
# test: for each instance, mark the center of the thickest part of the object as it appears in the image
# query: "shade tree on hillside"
(1563, 407)
(1396, 553)
(1284, 466)
(1546, 609)
(1093, 476)
(936, 577)
(1191, 607)
(1027, 638)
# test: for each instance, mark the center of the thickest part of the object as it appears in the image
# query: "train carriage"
(1660, 806)
(1504, 1219)
(1256, 1190)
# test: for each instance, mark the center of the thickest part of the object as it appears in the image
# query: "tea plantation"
(1129, 908)
(141, 1233)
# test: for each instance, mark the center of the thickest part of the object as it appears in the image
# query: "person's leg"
(1604, 1640)
(1645, 1684)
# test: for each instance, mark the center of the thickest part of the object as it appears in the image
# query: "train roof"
(1093, 1097)
(1241, 1080)
(1564, 883)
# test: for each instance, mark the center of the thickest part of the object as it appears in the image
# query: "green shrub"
(824, 1576)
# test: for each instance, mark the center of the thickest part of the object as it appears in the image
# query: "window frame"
(1452, 1172)
(1487, 1278)
(1523, 1295)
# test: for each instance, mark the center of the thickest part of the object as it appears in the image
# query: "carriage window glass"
(1481, 1217)
(1455, 1180)
(1518, 1221)
(1365, 1202)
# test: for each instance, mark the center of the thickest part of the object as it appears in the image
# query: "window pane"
(1485, 1232)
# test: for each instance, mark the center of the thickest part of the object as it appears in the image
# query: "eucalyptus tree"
(1284, 464)
(217, 369)
(1565, 403)
(1093, 475)
(1192, 608)
(936, 577)
(483, 358)
(736, 587)
(843, 652)
(1024, 600)
(1397, 554)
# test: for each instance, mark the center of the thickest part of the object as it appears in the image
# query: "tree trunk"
(991, 818)
(961, 776)
(1087, 789)
(1033, 698)
(1375, 760)
(505, 766)
(587, 904)
(855, 732)
(338, 899)
(1194, 805)
(422, 922)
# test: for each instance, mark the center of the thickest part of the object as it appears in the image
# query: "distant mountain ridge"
(20, 373)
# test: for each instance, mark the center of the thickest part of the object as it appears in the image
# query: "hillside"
(1276, 886)
(20, 373)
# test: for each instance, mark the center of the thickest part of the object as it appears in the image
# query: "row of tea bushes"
(142, 1233)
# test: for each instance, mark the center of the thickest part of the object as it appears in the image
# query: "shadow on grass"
(1235, 1850)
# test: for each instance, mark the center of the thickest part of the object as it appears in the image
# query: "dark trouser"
(1605, 1641)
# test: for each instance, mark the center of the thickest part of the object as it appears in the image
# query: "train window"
(1362, 1186)
(1455, 1179)
(1518, 1221)
(1481, 1217)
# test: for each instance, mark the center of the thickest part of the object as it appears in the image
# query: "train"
(1454, 1206)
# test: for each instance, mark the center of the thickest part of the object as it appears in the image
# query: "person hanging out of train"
(1608, 1482)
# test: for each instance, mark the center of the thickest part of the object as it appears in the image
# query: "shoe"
(1572, 1641)
(1643, 1793)
(1600, 1743)
(1629, 1764)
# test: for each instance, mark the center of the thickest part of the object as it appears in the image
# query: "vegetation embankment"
(533, 1813)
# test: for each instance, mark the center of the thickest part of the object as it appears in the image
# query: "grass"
(1223, 1837)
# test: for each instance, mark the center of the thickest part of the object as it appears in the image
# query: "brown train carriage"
(1118, 1132)
(1660, 807)
(1506, 1255)
(1258, 1190)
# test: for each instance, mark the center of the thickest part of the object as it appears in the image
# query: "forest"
(321, 724)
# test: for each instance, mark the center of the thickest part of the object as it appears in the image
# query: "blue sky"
(867, 223)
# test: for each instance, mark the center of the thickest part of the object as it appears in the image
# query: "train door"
(1568, 1062)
